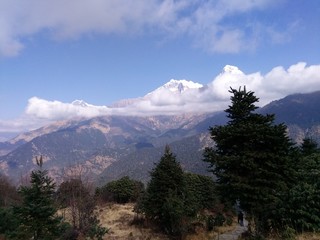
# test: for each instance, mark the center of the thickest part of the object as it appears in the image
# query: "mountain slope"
(301, 114)
(97, 141)
(299, 109)
(109, 147)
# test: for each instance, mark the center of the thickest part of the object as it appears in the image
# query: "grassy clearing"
(119, 217)
(309, 236)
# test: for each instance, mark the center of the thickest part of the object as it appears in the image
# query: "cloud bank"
(205, 22)
(278, 83)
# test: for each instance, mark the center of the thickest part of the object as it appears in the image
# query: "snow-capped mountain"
(179, 86)
(174, 87)
(80, 103)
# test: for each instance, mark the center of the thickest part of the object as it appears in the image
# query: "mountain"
(80, 103)
(8, 146)
(94, 144)
(108, 147)
(299, 109)
(301, 114)
(178, 86)
(173, 86)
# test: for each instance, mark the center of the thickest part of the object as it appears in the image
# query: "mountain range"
(105, 148)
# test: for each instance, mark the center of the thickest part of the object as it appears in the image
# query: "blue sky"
(104, 51)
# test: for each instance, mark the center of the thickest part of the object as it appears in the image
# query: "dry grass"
(309, 236)
(118, 218)
(202, 234)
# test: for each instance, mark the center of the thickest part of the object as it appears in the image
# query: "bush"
(288, 234)
(121, 191)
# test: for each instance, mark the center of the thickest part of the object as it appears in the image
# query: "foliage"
(164, 198)
(174, 198)
(8, 221)
(75, 198)
(8, 192)
(308, 147)
(121, 191)
(200, 193)
(36, 215)
(302, 205)
(251, 160)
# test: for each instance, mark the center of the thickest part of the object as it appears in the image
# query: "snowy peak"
(179, 86)
(231, 70)
(80, 103)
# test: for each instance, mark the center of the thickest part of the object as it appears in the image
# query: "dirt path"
(234, 234)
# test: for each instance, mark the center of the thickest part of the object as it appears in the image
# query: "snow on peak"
(80, 103)
(232, 70)
(181, 85)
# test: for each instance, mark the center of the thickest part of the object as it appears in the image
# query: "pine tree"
(302, 206)
(37, 213)
(251, 159)
(163, 201)
(308, 147)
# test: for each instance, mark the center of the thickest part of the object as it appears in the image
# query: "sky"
(53, 52)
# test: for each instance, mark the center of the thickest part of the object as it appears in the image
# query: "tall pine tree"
(250, 159)
(37, 214)
(164, 200)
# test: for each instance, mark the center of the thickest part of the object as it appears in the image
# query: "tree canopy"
(122, 190)
(163, 201)
(36, 215)
(250, 158)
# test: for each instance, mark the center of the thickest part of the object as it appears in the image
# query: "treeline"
(255, 167)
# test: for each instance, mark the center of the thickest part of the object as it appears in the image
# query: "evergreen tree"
(251, 159)
(164, 199)
(302, 206)
(308, 147)
(200, 193)
(37, 214)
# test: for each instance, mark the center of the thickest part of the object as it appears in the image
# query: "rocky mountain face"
(301, 114)
(92, 145)
(109, 147)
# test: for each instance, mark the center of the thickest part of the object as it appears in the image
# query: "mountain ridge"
(107, 147)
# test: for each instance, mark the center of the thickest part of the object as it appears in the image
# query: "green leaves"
(121, 191)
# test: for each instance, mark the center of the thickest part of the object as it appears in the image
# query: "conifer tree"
(37, 214)
(163, 201)
(309, 146)
(302, 205)
(251, 159)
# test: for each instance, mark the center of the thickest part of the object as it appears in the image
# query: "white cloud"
(202, 21)
(56, 110)
(278, 83)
